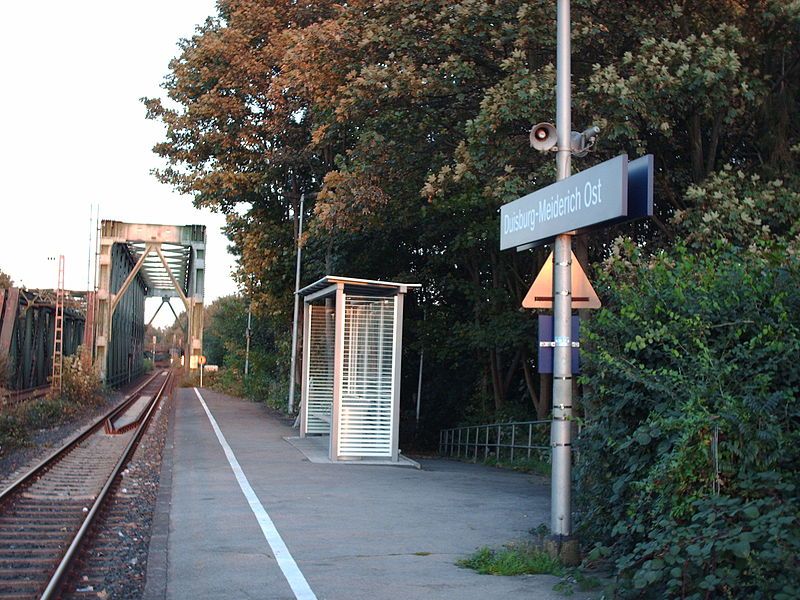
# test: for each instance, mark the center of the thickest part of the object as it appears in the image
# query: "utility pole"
(419, 379)
(562, 543)
(89, 254)
(419, 383)
(580, 197)
(290, 405)
(247, 344)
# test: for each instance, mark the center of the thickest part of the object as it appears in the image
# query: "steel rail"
(54, 585)
(13, 397)
(73, 441)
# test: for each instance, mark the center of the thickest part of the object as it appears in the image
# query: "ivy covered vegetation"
(692, 402)
(405, 124)
(692, 426)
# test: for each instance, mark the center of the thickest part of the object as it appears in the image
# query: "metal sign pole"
(560, 495)
(290, 404)
(247, 345)
(419, 383)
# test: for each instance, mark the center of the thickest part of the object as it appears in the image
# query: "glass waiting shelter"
(352, 343)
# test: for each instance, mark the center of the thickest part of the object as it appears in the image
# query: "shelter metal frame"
(352, 346)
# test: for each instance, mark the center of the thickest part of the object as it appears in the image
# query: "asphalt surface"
(354, 531)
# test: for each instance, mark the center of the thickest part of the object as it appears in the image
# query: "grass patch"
(529, 558)
(513, 559)
(17, 422)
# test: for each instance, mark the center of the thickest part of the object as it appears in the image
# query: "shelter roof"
(368, 285)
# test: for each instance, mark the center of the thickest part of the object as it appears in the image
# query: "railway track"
(46, 514)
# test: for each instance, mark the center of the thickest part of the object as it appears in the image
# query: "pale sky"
(74, 133)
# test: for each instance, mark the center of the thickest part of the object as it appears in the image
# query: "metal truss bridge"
(135, 261)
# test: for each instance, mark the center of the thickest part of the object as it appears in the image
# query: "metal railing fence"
(499, 440)
(519, 439)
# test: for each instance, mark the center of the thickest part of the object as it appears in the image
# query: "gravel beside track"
(113, 562)
(41, 517)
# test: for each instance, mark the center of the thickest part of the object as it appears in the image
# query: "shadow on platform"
(315, 449)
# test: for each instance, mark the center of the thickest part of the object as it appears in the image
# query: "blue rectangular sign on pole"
(544, 364)
(526, 221)
(640, 187)
(640, 192)
(593, 196)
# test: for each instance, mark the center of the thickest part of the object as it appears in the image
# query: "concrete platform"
(370, 533)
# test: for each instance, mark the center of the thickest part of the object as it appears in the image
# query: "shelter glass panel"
(365, 418)
(320, 370)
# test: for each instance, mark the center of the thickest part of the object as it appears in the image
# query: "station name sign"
(588, 198)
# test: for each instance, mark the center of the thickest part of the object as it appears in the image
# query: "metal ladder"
(58, 341)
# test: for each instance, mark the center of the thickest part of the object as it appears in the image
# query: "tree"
(224, 329)
(5, 281)
(224, 335)
(238, 142)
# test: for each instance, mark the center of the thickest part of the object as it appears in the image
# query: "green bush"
(13, 432)
(257, 387)
(46, 412)
(227, 381)
(80, 385)
(224, 345)
(691, 438)
(81, 389)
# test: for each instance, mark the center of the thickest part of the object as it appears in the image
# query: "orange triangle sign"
(541, 293)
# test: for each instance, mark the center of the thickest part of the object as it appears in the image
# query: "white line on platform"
(291, 571)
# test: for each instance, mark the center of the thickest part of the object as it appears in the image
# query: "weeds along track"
(45, 514)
